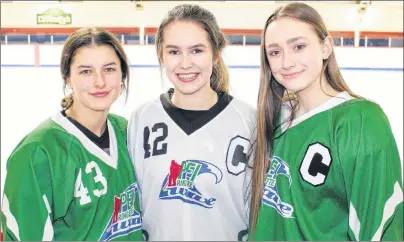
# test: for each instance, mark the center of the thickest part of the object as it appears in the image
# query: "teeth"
(187, 76)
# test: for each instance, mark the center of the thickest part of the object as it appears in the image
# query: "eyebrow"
(191, 47)
(289, 41)
(108, 64)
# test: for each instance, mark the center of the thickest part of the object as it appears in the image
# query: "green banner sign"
(54, 16)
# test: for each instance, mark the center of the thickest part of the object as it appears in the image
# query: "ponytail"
(219, 80)
(67, 101)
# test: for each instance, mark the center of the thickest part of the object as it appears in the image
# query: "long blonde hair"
(272, 94)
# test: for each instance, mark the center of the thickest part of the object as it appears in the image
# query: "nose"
(186, 61)
(288, 60)
(99, 80)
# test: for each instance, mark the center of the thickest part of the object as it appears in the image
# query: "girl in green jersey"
(326, 162)
(71, 178)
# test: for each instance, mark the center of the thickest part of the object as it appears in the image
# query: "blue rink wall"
(31, 85)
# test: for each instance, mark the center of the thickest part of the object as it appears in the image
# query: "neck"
(200, 100)
(314, 95)
(95, 121)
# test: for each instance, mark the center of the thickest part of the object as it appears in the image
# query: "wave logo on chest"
(125, 218)
(271, 196)
(179, 183)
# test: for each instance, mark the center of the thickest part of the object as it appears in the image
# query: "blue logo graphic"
(271, 195)
(179, 183)
(125, 219)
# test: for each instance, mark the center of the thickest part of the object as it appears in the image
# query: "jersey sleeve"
(131, 140)
(27, 199)
(371, 168)
(249, 172)
(247, 186)
(120, 122)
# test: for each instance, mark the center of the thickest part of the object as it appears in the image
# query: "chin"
(292, 87)
(189, 90)
(102, 107)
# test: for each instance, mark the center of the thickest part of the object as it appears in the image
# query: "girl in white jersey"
(190, 145)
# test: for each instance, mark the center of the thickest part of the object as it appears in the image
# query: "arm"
(132, 143)
(247, 188)
(27, 200)
(131, 133)
(372, 172)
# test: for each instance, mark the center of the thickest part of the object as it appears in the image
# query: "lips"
(99, 94)
(291, 75)
(187, 77)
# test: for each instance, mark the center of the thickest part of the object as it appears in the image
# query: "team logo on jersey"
(179, 183)
(125, 218)
(271, 195)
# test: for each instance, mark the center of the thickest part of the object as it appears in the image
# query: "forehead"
(95, 54)
(283, 29)
(185, 33)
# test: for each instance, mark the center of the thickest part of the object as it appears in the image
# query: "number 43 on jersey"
(81, 191)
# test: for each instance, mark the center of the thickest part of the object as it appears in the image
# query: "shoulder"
(145, 112)
(244, 109)
(45, 132)
(246, 114)
(361, 112)
(37, 144)
(148, 107)
(118, 121)
(362, 122)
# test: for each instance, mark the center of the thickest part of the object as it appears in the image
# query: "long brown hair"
(272, 94)
(87, 37)
(219, 80)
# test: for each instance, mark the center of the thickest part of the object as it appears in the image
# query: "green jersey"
(335, 175)
(61, 186)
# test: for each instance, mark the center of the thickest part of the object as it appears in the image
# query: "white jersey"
(192, 175)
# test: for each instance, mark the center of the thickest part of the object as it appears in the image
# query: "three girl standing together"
(314, 162)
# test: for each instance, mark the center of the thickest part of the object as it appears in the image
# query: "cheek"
(314, 64)
(170, 63)
(204, 64)
(81, 83)
(114, 80)
(275, 64)
(311, 58)
(276, 67)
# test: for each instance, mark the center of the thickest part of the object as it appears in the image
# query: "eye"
(110, 69)
(299, 47)
(274, 53)
(173, 52)
(197, 51)
(87, 71)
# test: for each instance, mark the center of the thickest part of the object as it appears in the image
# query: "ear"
(217, 57)
(327, 47)
(68, 84)
(216, 60)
